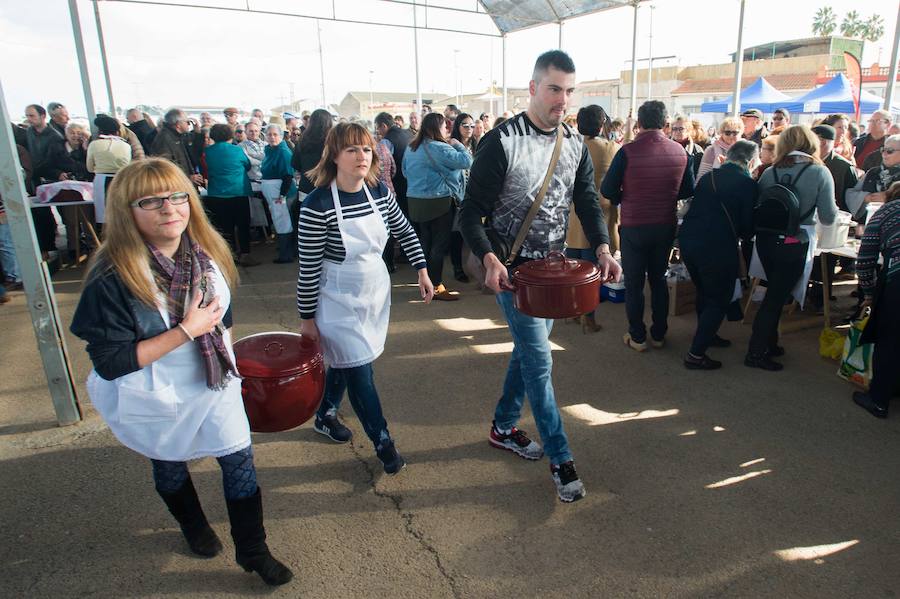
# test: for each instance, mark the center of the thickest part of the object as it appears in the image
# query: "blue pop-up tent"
(760, 95)
(834, 96)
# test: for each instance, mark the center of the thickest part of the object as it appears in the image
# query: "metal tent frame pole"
(650, 58)
(416, 53)
(45, 319)
(633, 106)
(892, 76)
(738, 65)
(100, 38)
(82, 61)
(503, 39)
(321, 64)
(560, 35)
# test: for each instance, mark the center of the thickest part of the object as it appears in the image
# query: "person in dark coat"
(721, 213)
(399, 140)
(175, 142)
(308, 152)
(141, 128)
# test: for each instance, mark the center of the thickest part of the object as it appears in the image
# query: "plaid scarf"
(177, 279)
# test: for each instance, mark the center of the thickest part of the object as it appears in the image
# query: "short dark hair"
(652, 115)
(385, 118)
(54, 106)
(592, 120)
(172, 116)
(557, 59)
(106, 124)
(221, 132)
(37, 108)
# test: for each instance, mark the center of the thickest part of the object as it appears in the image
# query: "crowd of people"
(183, 198)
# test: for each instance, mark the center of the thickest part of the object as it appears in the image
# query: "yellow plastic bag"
(831, 344)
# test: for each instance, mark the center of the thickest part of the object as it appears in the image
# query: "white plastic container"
(834, 235)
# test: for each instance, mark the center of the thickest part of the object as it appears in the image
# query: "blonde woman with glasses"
(714, 156)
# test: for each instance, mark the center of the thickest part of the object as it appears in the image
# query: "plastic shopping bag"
(856, 360)
(831, 344)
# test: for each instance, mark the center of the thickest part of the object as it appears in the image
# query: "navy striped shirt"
(320, 239)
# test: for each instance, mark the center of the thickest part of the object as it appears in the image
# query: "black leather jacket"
(113, 321)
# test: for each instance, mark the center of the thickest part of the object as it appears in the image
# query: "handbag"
(742, 263)
(499, 246)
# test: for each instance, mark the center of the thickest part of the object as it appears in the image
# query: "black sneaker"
(517, 442)
(763, 362)
(568, 485)
(704, 362)
(332, 428)
(776, 351)
(392, 461)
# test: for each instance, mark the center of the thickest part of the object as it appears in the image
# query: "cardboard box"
(682, 297)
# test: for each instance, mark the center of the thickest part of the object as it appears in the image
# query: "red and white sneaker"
(517, 442)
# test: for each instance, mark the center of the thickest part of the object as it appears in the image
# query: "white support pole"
(416, 50)
(650, 58)
(738, 65)
(109, 92)
(503, 39)
(892, 73)
(82, 60)
(321, 63)
(560, 35)
(633, 106)
(45, 319)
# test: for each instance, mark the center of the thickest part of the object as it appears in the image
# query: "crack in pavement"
(407, 517)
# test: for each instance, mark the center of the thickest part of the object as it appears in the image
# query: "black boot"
(185, 506)
(283, 243)
(249, 534)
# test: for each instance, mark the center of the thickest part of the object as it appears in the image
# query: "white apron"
(355, 296)
(799, 292)
(257, 213)
(280, 211)
(165, 411)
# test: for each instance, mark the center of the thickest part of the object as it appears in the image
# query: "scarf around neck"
(178, 278)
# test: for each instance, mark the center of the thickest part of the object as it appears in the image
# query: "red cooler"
(284, 379)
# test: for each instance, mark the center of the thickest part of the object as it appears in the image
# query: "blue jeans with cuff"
(359, 382)
(529, 373)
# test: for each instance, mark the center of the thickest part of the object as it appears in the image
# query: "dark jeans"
(714, 282)
(359, 382)
(645, 255)
(783, 265)
(434, 235)
(44, 228)
(885, 374)
(228, 214)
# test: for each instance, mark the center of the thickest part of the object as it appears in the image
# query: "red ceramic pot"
(283, 379)
(556, 287)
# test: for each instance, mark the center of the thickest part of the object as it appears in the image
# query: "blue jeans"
(529, 373)
(359, 382)
(8, 255)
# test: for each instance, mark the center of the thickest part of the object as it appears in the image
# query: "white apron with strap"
(166, 412)
(355, 296)
(280, 211)
(100, 196)
(257, 212)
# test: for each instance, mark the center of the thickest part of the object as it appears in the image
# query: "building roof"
(800, 81)
(382, 97)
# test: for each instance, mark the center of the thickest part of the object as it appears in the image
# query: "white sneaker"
(569, 487)
(517, 442)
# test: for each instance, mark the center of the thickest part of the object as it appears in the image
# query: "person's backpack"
(778, 208)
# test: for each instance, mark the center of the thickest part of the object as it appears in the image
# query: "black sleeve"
(485, 184)
(103, 319)
(687, 182)
(286, 184)
(745, 227)
(587, 204)
(611, 187)
(228, 318)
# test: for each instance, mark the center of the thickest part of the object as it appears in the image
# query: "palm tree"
(852, 25)
(872, 29)
(824, 22)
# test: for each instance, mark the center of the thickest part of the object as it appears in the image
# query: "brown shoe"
(246, 261)
(441, 293)
(588, 324)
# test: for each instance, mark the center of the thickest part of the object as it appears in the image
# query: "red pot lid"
(556, 270)
(276, 354)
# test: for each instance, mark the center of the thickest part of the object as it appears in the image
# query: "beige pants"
(611, 214)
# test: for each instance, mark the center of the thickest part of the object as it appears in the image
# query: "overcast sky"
(187, 56)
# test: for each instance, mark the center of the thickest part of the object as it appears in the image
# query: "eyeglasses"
(176, 199)
(729, 133)
(467, 126)
(674, 129)
(889, 151)
(238, 130)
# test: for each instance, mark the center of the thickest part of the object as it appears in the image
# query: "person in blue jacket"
(721, 214)
(228, 191)
(433, 165)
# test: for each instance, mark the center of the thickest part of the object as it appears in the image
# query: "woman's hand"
(200, 321)
(426, 288)
(309, 329)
